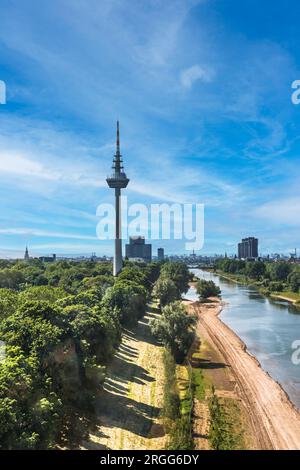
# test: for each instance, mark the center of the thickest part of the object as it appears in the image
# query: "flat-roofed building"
(138, 250)
(160, 254)
(248, 248)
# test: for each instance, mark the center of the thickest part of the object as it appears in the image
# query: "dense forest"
(60, 324)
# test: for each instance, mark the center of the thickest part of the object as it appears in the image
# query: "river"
(268, 328)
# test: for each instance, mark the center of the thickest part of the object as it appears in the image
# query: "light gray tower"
(118, 180)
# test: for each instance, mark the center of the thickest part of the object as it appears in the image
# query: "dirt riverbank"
(274, 419)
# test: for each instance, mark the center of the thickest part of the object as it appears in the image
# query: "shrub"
(206, 289)
(175, 329)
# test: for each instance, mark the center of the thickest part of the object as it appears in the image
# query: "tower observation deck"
(117, 180)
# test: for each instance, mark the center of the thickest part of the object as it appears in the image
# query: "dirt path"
(128, 409)
(201, 420)
(274, 418)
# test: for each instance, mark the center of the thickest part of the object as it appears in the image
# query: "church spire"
(26, 256)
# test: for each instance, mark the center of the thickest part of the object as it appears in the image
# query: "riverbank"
(212, 375)
(288, 296)
(274, 419)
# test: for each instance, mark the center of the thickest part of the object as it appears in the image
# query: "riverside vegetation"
(280, 278)
(184, 379)
(175, 329)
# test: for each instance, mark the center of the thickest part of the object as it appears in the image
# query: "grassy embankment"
(128, 410)
(214, 393)
(195, 414)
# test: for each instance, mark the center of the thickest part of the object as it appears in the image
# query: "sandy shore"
(275, 420)
(283, 297)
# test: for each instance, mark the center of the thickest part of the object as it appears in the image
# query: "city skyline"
(200, 90)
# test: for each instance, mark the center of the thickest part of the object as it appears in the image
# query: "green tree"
(178, 273)
(128, 298)
(8, 302)
(11, 278)
(294, 280)
(46, 293)
(165, 290)
(206, 289)
(29, 413)
(174, 328)
(255, 269)
(280, 270)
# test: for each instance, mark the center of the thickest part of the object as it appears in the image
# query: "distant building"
(138, 250)
(48, 259)
(248, 248)
(26, 256)
(160, 254)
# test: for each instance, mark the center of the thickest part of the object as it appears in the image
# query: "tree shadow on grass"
(207, 364)
(114, 407)
(143, 332)
(125, 371)
(123, 412)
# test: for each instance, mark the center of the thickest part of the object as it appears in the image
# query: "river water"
(268, 328)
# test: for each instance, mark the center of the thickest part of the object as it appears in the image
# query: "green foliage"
(181, 435)
(46, 293)
(59, 336)
(270, 276)
(255, 269)
(206, 289)
(178, 273)
(177, 423)
(165, 290)
(231, 266)
(198, 383)
(133, 274)
(128, 298)
(11, 278)
(294, 280)
(61, 323)
(171, 407)
(275, 286)
(8, 302)
(222, 435)
(174, 328)
(28, 415)
(279, 271)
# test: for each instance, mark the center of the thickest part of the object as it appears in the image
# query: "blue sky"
(203, 93)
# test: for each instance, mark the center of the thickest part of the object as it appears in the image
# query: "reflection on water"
(267, 326)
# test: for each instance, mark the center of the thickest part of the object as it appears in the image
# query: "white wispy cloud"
(186, 137)
(44, 233)
(196, 73)
(17, 164)
(281, 211)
